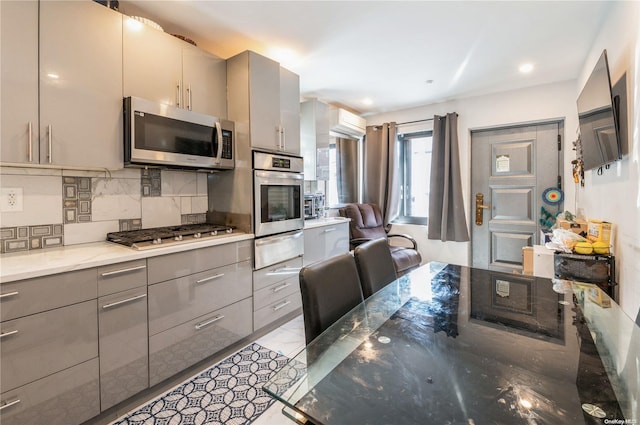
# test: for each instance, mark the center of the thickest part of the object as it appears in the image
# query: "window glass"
(415, 171)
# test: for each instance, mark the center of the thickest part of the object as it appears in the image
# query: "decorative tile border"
(193, 218)
(151, 182)
(26, 238)
(76, 199)
(130, 224)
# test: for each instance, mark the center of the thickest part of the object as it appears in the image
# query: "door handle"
(479, 207)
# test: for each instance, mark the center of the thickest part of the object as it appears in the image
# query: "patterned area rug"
(229, 393)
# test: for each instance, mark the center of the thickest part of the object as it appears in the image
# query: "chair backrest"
(375, 266)
(366, 221)
(330, 289)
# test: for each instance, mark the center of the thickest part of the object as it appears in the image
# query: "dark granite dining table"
(449, 344)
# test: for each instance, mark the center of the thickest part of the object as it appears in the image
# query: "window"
(415, 172)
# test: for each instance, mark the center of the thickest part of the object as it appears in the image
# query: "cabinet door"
(152, 64)
(80, 85)
(264, 102)
(124, 353)
(290, 111)
(323, 242)
(204, 77)
(19, 81)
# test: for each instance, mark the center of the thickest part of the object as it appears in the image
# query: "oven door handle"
(271, 240)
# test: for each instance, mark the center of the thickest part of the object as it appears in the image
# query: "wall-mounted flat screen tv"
(597, 116)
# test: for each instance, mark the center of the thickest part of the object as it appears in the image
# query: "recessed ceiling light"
(429, 81)
(367, 101)
(526, 68)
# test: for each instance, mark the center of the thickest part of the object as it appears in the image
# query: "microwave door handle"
(219, 133)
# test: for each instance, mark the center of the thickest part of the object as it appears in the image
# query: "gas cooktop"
(161, 236)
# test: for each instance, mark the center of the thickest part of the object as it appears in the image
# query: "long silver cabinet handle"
(285, 270)
(330, 230)
(283, 305)
(189, 96)
(30, 145)
(284, 138)
(206, 279)
(208, 322)
(12, 403)
(50, 142)
(130, 269)
(279, 239)
(281, 287)
(128, 300)
(9, 294)
(8, 333)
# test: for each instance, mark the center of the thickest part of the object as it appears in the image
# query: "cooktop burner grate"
(160, 235)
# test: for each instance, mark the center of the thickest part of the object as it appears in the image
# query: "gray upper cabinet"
(162, 68)
(76, 119)
(260, 99)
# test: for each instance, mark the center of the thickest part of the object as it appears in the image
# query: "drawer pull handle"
(208, 322)
(9, 294)
(281, 287)
(130, 269)
(12, 403)
(330, 230)
(206, 279)
(8, 333)
(285, 270)
(283, 305)
(128, 300)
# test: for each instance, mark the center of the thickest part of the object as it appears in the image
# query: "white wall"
(615, 195)
(541, 103)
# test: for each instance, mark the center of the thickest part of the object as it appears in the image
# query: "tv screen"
(597, 118)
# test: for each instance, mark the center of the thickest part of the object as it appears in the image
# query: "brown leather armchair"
(366, 225)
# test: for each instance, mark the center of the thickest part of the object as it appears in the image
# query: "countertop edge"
(328, 221)
(19, 266)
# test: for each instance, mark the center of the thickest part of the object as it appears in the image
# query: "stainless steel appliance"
(278, 207)
(157, 134)
(313, 205)
(161, 236)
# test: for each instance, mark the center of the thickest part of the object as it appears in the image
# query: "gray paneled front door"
(510, 170)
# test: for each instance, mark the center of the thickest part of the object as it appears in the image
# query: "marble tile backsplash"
(83, 206)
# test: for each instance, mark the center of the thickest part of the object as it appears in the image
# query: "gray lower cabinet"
(124, 352)
(325, 241)
(123, 331)
(177, 348)
(276, 292)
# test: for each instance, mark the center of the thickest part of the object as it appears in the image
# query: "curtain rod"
(416, 121)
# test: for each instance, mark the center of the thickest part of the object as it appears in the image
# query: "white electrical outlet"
(11, 199)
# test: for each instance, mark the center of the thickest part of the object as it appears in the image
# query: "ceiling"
(387, 51)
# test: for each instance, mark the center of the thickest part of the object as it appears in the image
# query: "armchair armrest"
(358, 241)
(407, 237)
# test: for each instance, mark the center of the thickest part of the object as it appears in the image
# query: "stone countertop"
(324, 221)
(77, 257)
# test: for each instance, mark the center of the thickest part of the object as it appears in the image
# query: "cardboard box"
(599, 231)
(599, 297)
(577, 226)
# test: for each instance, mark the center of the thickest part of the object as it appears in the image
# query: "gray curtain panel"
(381, 170)
(347, 170)
(447, 221)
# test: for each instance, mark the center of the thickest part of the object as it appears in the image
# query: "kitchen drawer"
(121, 276)
(124, 345)
(275, 292)
(276, 273)
(30, 296)
(180, 300)
(182, 346)
(41, 344)
(276, 310)
(185, 263)
(67, 397)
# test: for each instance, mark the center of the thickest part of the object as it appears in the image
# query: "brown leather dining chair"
(330, 289)
(375, 266)
(366, 224)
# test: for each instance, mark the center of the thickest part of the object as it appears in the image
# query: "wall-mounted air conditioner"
(345, 123)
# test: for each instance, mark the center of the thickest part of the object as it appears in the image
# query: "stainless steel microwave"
(166, 136)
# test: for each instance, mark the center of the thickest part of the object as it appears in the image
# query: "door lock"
(479, 207)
